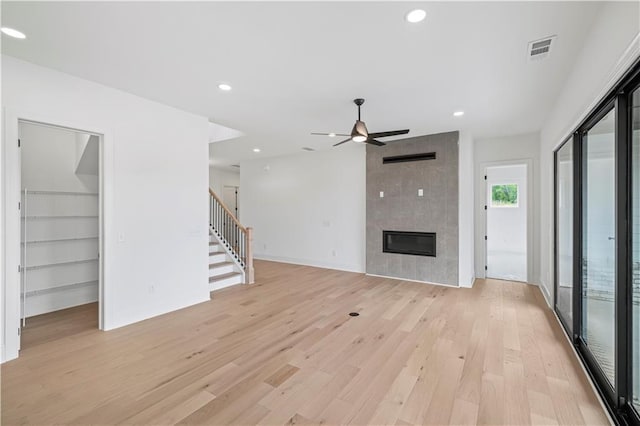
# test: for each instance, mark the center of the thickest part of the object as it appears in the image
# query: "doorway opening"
(506, 222)
(59, 232)
(230, 199)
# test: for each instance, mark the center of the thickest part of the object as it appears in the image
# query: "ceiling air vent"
(540, 49)
(306, 148)
(235, 165)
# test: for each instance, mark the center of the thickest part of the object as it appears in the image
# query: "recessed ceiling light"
(332, 135)
(13, 33)
(224, 86)
(416, 15)
(458, 113)
(256, 149)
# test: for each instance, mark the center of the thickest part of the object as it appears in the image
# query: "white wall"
(466, 249)
(49, 160)
(507, 150)
(308, 208)
(155, 181)
(219, 178)
(609, 49)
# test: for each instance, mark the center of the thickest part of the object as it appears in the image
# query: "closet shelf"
(61, 217)
(59, 240)
(29, 192)
(51, 265)
(60, 287)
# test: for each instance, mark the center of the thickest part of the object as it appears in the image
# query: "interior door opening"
(59, 231)
(506, 222)
(230, 199)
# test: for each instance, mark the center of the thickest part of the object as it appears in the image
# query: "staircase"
(230, 249)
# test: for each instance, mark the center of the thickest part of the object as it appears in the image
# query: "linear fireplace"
(415, 243)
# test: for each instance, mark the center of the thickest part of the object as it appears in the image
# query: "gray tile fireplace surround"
(401, 209)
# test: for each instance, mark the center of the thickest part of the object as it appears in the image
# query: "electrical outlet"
(121, 237)
(381, 194)
(333, 252)
(420, 192)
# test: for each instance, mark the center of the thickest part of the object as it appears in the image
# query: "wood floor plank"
(285, 351)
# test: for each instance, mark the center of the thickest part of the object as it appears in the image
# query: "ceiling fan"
(359, 133)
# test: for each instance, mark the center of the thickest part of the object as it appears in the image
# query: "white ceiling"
(295, 67)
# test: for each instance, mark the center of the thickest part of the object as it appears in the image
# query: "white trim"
(12, 191)
(473, 281)
(417, 281)
(630, 55)
(584, 370)
(312, 263)
(547, 296)
(529, 163)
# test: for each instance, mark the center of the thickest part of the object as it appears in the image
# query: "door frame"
(12, 168)
(583, 349)
(528, 162)
(617, 399)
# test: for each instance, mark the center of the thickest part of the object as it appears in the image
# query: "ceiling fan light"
(359, 138)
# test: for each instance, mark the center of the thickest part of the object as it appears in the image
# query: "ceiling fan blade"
(390, 133)
(327, 134)
(340, 143)
(375, 142)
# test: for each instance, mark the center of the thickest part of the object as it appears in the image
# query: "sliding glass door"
(564, 172)
(598, 242)
(597, 245)
(635, 247)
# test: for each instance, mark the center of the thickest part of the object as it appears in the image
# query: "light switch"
(420, 192)
(381, 194)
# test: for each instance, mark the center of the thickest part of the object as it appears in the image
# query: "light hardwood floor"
(285, 351)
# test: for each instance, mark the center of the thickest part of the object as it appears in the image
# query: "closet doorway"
(59, 232)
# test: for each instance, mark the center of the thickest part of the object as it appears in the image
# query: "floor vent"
(353, 314)
(540, 49)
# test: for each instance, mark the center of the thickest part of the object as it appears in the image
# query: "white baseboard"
(413, 281)
(584, 370)
(546, 295)
(307, 262)
(470, 285)
(193, 302)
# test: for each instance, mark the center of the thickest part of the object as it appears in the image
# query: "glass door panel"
(598, 243)
(564, 233)
(635, 247)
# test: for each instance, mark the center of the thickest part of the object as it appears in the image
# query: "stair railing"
(230, 231)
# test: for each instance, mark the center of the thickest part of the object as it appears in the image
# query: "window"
(504, 195)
